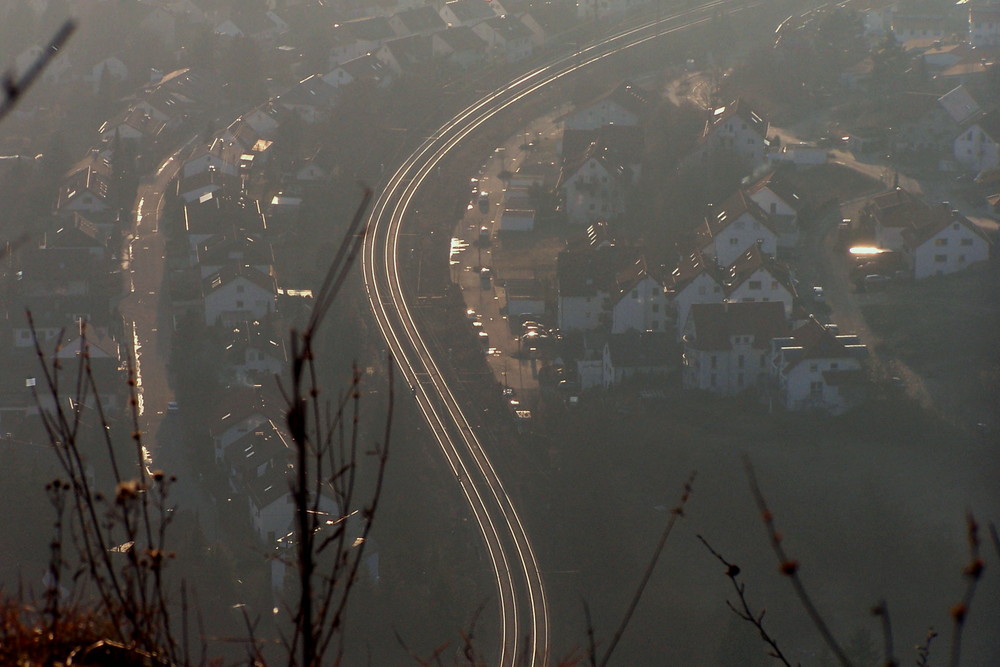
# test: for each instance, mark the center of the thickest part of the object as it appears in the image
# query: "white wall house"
(977, 147)
(595, 187)
(737, 224)
(816, 368)
(735, 129)
(236, 294)
(697, 279)
(782, 203)
(639, 301)
(755, 276)
(212, 156)
(953, 244)
(727, 345)
(625, 105)
(984, 25)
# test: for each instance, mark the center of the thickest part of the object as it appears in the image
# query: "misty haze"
(500, 332)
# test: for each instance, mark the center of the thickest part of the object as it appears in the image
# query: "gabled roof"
(739, 108)
(461, 39)
(990, 124)
(243, 248)
(778, 183)
(638, 349)
(265, 444)
(421, 19)
(960, 104)
(236, 271)
(77, 233)
(814, 340)
(900, 208)
(612, 162)
(627, 95)
(509, 28)
(690, 267)
(312, 91)
(733, 208)
(365, 67)
(632, 275)
(628, 142)
(750, 262)
(590, 271)
(716, 323)
(411, 51)
(373, 29)
(914, 237)
(242, 402)
(470, 10)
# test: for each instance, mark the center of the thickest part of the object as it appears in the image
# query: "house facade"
(977, 147)
(952, 244)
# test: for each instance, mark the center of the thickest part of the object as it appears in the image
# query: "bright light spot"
(861, 250)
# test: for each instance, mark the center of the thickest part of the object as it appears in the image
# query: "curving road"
(523, 606)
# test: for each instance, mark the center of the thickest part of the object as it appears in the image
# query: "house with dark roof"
(585, 276)
(779, 199)
(947, 243)
(422, 20)
(637, 354)
(626, 104)
(86, 188)
(217, 251)
(596, 184)
(736, 130)
(817, 368)
(697, 279)
(984, 24)
(733, 227)
(366, 68)
(262, 26)
(218, 155)
(639, 300)
(459, 45)
(406, 55)
(627, 141)
(238, 293)
(470, 12)
(977, 146)
(312, 98)
(755, 276)
(727, 346)
(891, 213)
(507, 39)
(132, 124)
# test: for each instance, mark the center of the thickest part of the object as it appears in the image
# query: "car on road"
(873, 281)
(172, 406)
(485, 276)
(484, 202)
(818, 294)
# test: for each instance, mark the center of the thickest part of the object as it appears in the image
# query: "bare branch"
(790, 567)
(677, 511)
(14, 88)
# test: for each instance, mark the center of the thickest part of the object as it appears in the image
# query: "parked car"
(485, 276)
(484, 202)
(818, 295)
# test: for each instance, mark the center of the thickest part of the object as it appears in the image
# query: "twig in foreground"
(757, 620)
(677, 511)
(790, 567)
(972, 572)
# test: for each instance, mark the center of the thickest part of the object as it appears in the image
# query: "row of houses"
(979, 20)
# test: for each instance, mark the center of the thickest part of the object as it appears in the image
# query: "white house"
(218, 155)
(950, 244)
(737, 224)
(977, 147)
(755, 276)
(626, 104)
(697, 279)
(727, 345)
(86, 187)
(470, 12)
(639, 300)
(984, 25)
(506, 38)
(816, 368)
(778, 198)
(238, 293)
(636, 354)
(585, 278)
(595, 185)
(737, 130)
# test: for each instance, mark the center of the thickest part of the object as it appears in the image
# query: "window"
(656, 307)
(739, 363)
(815, 388)
(715, 362)
(813, 367)
(940, 259)
(966, 242)
(834, 366)
(961, 259)
(940, 242)
(733, 241)
(754, 284)
(239, 304)
(774, 284)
